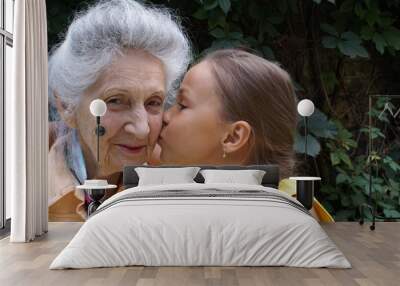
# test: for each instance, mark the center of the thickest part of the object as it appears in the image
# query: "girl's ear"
(237, 137)
(66, 114)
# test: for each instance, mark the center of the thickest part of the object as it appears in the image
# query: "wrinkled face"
(193, 126)
(133, 87)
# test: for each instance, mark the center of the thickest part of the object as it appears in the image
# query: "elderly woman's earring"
(224, 155)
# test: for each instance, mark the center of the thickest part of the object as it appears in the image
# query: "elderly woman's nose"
(167, 116)
(138, 123)
(140, 129)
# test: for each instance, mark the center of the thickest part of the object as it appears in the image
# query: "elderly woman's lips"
(131, 149)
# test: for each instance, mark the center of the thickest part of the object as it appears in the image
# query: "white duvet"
(188, 231)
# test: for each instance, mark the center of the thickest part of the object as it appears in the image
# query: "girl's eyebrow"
(182, 94)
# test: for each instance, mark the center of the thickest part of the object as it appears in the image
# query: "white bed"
(224, 225)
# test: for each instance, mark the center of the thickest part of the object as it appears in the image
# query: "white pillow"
(162, 176)
(248, 177)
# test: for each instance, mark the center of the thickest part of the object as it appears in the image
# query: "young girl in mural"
(233, 108)
(128, 55)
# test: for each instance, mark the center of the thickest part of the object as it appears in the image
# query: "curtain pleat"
(30, 105)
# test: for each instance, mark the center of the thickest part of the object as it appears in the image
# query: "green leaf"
(335, 158)
(360, 182)
(210, 4)
(392, 37)
(329, 42)
(391, 213)
(342, 178)
(329, 29)
(367, 33)
(329, 80)
(225, 5)
(380, 43)
(200, 14)
(216, 18)
(385, 22)
(347, 6)
(375, 132)
(221, 44)
(391, 163)
(372, 16)
(345, 200)
(313, 146)
(358, 198)
(319, 125)
(218, 33)
(344, 215)
(359, 10)
(348, 143)
(268, 53)
(270, 29)
(346, 159)
(350, 36)
(352, 49)
(236, 35)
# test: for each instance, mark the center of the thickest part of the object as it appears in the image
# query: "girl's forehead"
(198, 84)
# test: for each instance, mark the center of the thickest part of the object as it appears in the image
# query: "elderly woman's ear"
(65, 112)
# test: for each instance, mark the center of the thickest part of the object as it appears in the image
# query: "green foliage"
(319, 127)
(351, 177)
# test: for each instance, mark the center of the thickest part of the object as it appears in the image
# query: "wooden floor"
(374, 255)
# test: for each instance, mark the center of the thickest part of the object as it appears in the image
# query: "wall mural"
(189, 83)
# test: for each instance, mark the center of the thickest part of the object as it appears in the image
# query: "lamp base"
(96, 195)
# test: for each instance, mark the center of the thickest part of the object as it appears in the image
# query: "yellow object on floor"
(289, 187)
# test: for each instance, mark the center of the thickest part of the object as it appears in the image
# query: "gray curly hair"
(103, 31)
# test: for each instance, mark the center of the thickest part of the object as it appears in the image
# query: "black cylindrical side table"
(305, 187)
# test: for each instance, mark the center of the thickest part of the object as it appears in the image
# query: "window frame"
(6, 39)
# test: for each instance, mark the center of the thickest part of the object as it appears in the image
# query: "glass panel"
(2, 202)
(1, 14)
(9, 9)
(8, 69)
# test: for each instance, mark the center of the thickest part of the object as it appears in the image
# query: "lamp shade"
(98, 107)
(305, 107)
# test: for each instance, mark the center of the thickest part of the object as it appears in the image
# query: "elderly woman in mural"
(128, 55)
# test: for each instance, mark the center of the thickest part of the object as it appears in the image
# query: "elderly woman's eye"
(155, 103)
(114, 101)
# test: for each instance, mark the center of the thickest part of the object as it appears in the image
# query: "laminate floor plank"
(374, 255)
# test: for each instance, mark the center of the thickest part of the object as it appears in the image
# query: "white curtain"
(27, 123)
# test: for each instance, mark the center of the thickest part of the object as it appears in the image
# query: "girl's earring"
(224, 155)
